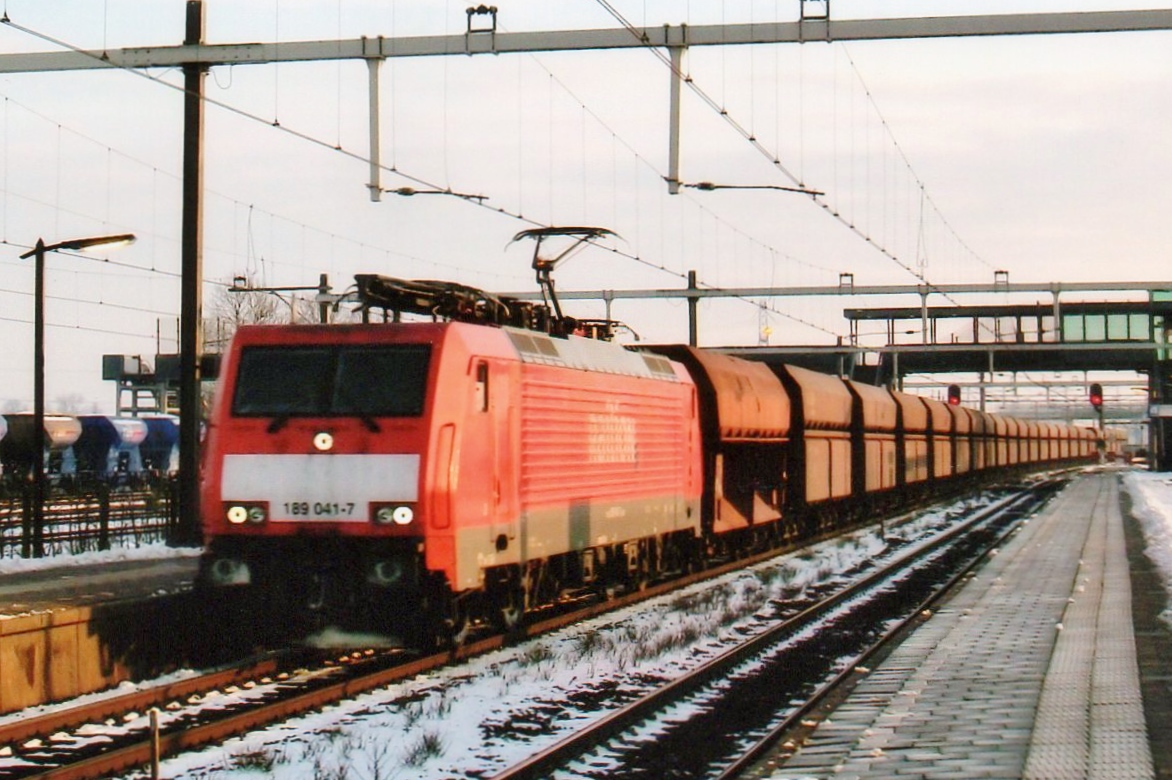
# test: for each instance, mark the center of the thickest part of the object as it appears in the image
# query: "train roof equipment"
(443, 300)
(543, 269)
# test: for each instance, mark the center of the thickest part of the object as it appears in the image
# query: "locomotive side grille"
(579, 443)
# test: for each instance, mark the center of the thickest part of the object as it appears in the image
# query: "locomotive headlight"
(239, 514)
(394, 515)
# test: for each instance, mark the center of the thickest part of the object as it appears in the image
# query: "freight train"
(85, 450)
(413, 478)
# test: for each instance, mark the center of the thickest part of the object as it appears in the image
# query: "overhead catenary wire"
(156, 173)
(640, 159)
(86, 328)
(774, 158)
(919, 182)
(424, 183)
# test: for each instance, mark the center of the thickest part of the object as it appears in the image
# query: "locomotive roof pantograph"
(442, 300)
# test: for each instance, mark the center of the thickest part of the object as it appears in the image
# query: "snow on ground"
(1151, 495)
(153, 551)
(475, 719)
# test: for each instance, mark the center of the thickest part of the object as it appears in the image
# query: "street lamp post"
(38, 252)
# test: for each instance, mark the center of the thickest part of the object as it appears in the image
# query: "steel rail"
(47, 723)
(760, 748)
(541, 764)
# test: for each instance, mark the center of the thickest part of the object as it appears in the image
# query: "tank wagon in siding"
(411, 478)
(18, 447)
(108, 450)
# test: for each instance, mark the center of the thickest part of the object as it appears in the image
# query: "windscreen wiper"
(278, 423)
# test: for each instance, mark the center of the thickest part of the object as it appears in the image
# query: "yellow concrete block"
(22, 670)
(62, 682)
(21, 624)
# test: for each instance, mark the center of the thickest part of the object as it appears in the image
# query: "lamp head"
(78, 244)
(121, 239)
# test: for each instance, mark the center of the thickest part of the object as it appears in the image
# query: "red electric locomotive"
(413, 476)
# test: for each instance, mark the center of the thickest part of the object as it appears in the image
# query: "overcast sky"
(1043, 156)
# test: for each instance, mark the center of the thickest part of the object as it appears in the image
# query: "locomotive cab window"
(332, 381)
(482, 387)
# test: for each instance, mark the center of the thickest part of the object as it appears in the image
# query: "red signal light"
(954, 395)
(1097, 396)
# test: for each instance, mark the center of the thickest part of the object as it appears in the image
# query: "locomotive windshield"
(366, 381)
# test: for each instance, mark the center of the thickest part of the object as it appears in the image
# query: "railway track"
(114, 733)
(118, 733)
(720, 718)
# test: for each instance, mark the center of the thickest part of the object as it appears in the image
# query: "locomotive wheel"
(458, 625)
(506, 609)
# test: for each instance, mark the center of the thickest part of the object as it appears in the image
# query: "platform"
(1029, 671)
(58, 587)
(74, 629)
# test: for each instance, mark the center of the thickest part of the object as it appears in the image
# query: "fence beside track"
(85, 517)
